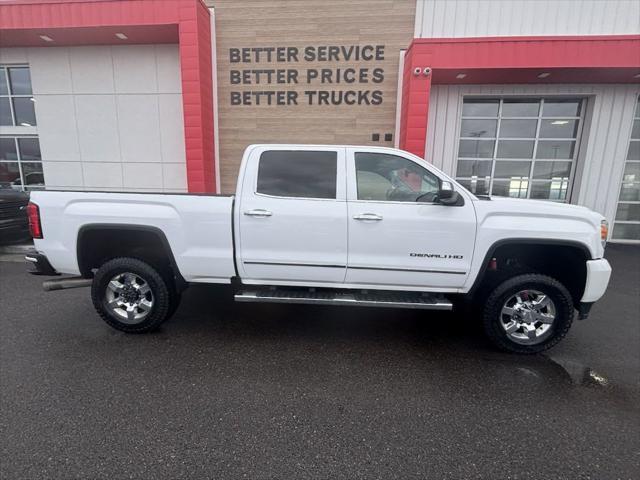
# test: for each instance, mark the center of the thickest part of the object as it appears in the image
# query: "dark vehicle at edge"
(14, 225)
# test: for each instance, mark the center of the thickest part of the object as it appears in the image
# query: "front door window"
(385, 177)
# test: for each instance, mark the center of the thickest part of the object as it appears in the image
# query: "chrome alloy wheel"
(527, 317)
(128, 296)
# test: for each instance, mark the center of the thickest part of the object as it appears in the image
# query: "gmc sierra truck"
(330, 225)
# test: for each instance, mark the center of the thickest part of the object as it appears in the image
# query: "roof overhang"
(585, 59)
(107, 35)
(51, 23)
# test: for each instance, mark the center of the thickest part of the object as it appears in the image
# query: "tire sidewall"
(549, 286)
(161, 296)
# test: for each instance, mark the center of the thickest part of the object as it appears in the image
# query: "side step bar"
(358, 299)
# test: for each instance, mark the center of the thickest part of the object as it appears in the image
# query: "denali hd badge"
(437, 255)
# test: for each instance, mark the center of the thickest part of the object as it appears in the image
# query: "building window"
(16, 100)
(519, 147)
(20, 158)
(627, 221)
(20, 163)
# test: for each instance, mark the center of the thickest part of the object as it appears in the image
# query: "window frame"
(277, 148)
(10, 95)
(357, 188)
(20, 161)
(352, 180)
(539, 118)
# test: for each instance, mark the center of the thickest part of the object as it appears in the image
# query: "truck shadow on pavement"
(406, 338)
(448, 342)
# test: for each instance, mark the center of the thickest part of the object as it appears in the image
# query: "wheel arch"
(145, 242)
(579, 254)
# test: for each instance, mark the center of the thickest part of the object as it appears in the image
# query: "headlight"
(604, 232)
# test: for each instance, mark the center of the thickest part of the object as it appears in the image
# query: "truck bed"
(198, 228)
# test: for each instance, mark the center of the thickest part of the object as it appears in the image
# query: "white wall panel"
(65, 175)
(603, 145)
(171, 128)
(98, 128)
(139, 128)
(13, 55)
(91, 70)
(57, 127)
(478, 18)
(102, 175)
(134, 69)
(53, 75)
(142, 175)
(169, 79)
(103, 111)
(174, 175)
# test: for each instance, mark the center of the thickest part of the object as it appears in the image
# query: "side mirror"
(447, 195)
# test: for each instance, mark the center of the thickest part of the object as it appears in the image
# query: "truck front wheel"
(131, 296)
(528, 313)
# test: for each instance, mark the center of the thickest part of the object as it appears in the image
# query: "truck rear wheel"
(131, 296)
(528, 313)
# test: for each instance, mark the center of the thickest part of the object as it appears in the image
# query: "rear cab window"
(298, 174)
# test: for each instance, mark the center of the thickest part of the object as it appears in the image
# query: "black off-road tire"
(164, 299)
(175, 297)
(550, 286)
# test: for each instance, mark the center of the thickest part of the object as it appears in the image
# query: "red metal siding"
(65, 13)
(415, 107)
(197, 91)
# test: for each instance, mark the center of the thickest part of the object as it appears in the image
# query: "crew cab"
(338, 225)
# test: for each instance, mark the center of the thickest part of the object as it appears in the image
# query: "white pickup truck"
(337, 225)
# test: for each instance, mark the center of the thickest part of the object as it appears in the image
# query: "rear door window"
(299, 174)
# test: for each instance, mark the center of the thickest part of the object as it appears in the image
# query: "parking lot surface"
(228, 390)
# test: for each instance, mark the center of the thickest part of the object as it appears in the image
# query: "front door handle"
(258, 212)
(368, 216)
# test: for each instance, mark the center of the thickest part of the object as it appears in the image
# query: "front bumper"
(598, 274)
(39, 264)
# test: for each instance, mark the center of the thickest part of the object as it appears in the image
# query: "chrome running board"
(356, 299)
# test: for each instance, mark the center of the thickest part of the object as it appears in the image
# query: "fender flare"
(181, 283)
(522, 241)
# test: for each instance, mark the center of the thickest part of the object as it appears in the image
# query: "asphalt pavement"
(229, 390)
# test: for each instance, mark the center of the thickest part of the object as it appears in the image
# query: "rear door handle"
(368, 216)
(258, 212)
